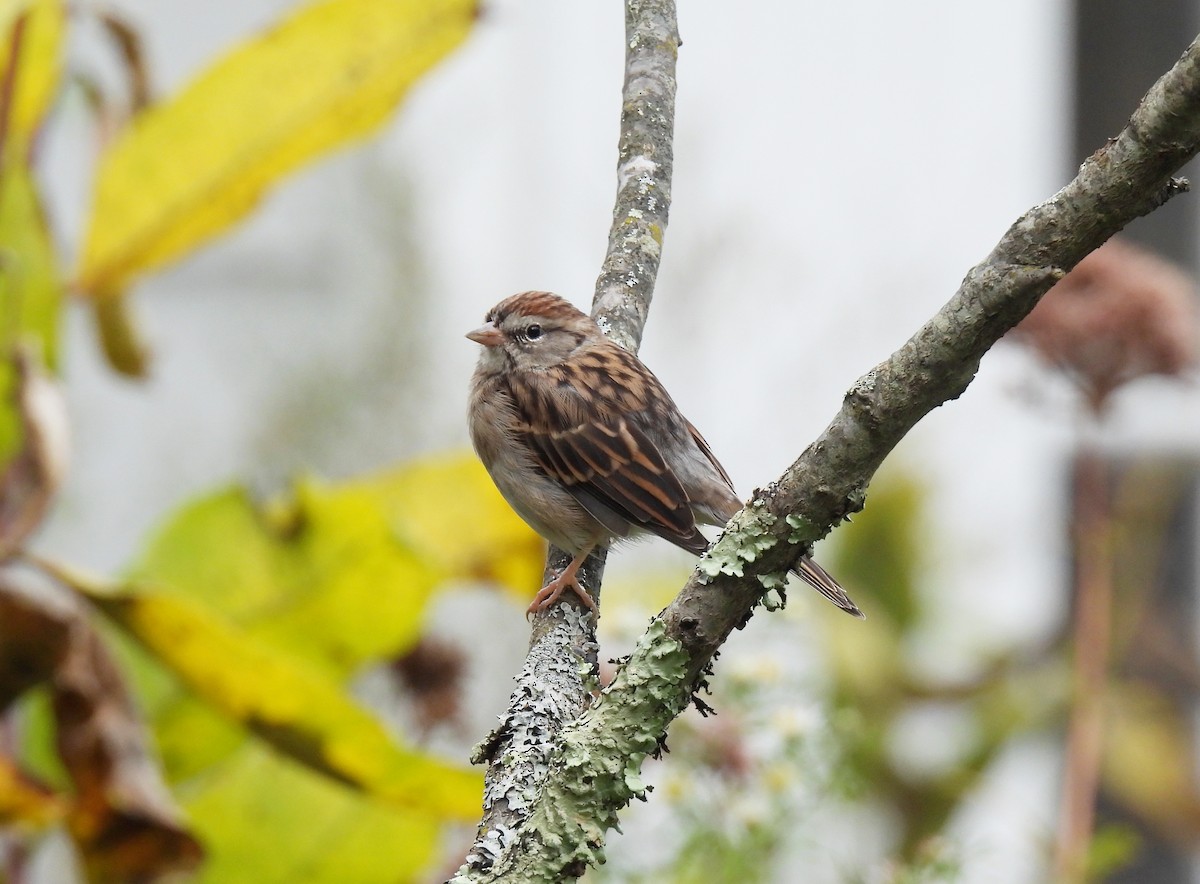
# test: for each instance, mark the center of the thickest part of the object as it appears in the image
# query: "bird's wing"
(702, 444)
(614, 469)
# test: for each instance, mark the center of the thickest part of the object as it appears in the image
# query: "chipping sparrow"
(586, 445)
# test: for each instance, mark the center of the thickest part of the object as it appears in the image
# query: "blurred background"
(839, 168)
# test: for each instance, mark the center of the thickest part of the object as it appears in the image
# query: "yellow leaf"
(336, 574)
(285, 701)
(189, 167)
(321, 573)
(39, 61)
(264, 821)
(24, 802)
(448, 507)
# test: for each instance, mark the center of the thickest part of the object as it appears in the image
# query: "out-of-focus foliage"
(1148, 766)
(1149, 746)
(29, 282)
(35, 472)
(32, 49)
(251, 621)
(266, 820)
(449, 509)
(1122, 313)
(117, 810)
(288, 703)
(242, 627)
(304, 570)
(879, 693)
(31, 34)
(24, 801)
(303, 574)
(187, 168)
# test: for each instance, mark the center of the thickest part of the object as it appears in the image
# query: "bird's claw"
(548, 594)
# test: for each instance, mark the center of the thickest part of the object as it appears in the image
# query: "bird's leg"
(549, 593)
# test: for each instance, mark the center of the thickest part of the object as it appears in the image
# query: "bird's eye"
(533, 332)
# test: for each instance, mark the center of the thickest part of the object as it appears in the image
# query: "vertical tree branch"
(558, 679)
(644, 165)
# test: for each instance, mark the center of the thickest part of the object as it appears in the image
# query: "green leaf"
(342, 573)
(30, 289)
(449, 507)
(39, 64)
(322, 573)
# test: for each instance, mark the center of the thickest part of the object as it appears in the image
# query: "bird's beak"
(487, 334)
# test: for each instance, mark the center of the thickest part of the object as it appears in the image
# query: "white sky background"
(839, 167)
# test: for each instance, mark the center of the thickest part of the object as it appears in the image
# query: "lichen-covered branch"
(594, 770)
(558, 679)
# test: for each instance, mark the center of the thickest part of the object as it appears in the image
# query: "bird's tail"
(821, 580)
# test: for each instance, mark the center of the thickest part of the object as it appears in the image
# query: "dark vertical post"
(1120, 49)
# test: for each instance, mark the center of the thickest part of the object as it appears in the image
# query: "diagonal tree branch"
(594, 770)
(558, 678)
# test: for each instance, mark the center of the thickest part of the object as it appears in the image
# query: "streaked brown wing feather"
(577, 421)
(616, 464)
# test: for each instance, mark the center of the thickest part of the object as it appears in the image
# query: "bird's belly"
(545, 506)
(549, 510)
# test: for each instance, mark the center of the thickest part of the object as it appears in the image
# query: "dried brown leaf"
(122, 817)
(33, 477)
(1122, 313)
(432, 674)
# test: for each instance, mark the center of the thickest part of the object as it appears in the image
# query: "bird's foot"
(567, 579)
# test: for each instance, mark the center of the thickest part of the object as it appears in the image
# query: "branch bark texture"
(644, 164)
(594, 770)
(558, 679)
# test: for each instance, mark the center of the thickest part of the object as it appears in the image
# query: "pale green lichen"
(803, 530)
(588, 676)
(596, 770)
(745, 540)
(774, 600)
(773, 581)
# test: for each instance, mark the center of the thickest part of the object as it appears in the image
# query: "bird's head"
(532, 331)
